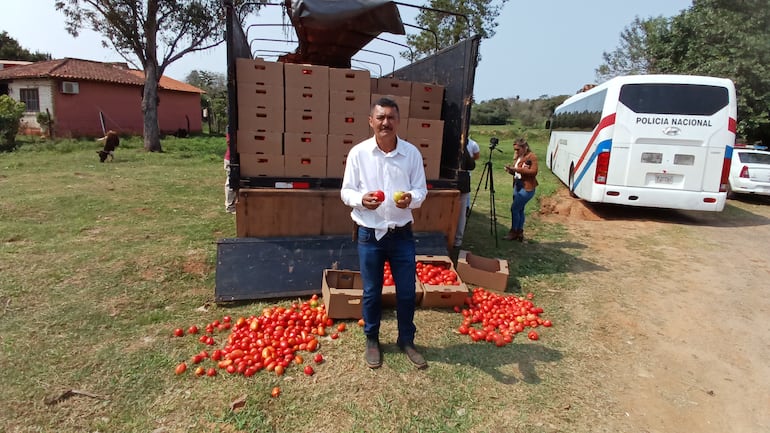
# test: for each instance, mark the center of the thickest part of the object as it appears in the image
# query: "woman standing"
(524, 172)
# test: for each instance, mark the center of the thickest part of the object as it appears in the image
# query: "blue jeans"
(399, 249)
(520, 198)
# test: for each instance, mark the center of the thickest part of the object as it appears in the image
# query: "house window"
(30, 98)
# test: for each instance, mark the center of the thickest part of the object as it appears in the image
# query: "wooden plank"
(276, 212)
(268, 212)
(439, 213)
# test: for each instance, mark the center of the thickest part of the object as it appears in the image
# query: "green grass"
(100, 262)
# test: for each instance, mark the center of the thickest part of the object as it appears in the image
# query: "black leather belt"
(404, 228)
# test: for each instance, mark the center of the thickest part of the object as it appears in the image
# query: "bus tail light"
(745, 172)
(602, 167)
(725, 174)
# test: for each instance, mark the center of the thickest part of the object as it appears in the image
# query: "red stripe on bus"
(607, 121)
(732, 125)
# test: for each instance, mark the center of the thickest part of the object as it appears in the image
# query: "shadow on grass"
(538, 259)
(491, 359)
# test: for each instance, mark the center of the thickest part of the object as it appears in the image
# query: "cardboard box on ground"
(441, 295)
(477, 271)
(343, 291)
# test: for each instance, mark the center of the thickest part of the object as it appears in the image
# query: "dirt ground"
(678, 303)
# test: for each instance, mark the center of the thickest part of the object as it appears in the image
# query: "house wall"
(28, 123)
(173, 108)
(77, 115)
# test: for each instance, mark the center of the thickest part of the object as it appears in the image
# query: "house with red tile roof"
(85, 98)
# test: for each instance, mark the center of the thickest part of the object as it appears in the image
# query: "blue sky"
(540, 48)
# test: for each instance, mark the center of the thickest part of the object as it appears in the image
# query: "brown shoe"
(512, 234)
(413, 355)
(520, 235)
(373, 355)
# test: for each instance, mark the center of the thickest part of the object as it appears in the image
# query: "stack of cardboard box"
(260, 117)
(426, 129)
(348, 116)
(307, 120)
(301, 120)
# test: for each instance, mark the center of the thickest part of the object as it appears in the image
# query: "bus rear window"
(683, 99)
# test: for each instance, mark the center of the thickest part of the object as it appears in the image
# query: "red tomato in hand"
(379, 195)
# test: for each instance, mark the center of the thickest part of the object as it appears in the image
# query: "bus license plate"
(666, 179)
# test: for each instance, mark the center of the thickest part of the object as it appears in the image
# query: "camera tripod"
(489, 183)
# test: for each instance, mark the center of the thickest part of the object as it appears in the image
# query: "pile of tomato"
(437, 274)
(271, 341)
(433, 273)
(499, 318)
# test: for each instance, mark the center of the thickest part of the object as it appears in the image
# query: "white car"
(749, 172)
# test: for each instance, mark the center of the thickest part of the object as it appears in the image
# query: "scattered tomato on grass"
(269, 341)
(499, 317)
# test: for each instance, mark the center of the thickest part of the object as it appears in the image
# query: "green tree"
(215, 98)
(138, 30)
(11, 112)
(445, 30)
(723, 38)
(633, 55)
(493, 112)
(11, 50)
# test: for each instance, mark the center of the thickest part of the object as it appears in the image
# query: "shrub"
(11, 112)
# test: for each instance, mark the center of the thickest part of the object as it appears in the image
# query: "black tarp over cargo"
(331, 32)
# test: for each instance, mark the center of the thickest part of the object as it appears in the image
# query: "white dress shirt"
(370, 169)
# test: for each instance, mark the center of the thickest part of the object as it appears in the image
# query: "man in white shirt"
(384, 180)
(465, 192)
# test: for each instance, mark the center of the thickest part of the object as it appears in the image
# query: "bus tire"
(730, 194)
(572, 181)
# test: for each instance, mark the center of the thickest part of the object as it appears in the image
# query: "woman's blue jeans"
(520, 198)
(398, 248)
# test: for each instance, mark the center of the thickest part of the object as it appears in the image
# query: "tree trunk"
(150, 108)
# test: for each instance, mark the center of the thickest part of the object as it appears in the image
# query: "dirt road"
(678, 309)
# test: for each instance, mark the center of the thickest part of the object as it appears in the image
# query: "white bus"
(647, 140)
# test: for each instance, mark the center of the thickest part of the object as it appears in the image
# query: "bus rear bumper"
(662, 198)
